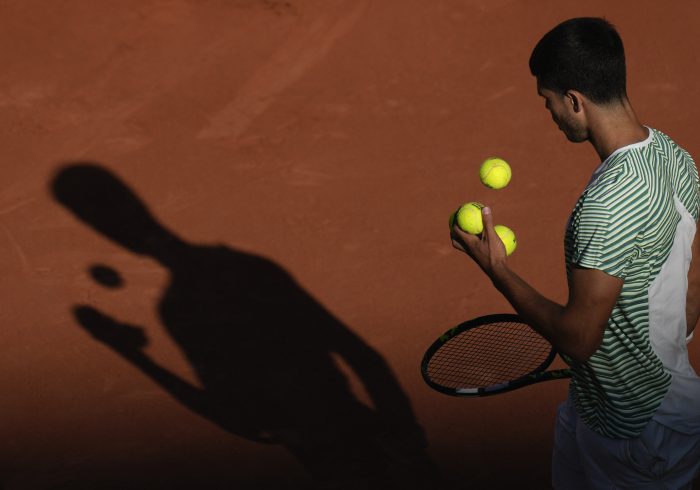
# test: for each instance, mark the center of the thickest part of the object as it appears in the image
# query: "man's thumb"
(487, 218)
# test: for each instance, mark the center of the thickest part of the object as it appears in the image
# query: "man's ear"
(575, 100)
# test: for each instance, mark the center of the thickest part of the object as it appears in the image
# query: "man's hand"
(487, 249)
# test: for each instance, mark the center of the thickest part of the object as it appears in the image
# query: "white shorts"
(659, 458)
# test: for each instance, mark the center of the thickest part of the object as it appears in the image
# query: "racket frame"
(535, 376)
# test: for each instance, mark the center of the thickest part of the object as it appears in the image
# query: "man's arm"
(575, 329)
(692, 303)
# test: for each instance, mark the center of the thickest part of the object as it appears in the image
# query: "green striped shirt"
(624, 224)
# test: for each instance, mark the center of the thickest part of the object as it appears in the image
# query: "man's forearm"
(692, 302)
(547, 317)
(692, 305)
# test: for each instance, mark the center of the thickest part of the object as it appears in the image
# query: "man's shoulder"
(667, 149)
(623, 180)
(661, 137)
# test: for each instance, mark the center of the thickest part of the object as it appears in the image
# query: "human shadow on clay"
(261, 347)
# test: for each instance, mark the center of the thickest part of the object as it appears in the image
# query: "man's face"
(566, 113)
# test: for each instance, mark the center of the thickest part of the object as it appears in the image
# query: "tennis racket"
(489, 355)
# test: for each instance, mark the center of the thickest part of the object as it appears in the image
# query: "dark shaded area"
(106, 276)
(261, 347)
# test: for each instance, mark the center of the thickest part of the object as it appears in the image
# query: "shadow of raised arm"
(129, 341)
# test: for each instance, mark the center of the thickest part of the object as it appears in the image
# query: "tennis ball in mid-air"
(507, 237)
(468, 218)
(495, 173)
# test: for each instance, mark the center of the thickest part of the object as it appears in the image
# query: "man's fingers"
(462, 235)
(463, 240)
(494, 241)
(487, 218)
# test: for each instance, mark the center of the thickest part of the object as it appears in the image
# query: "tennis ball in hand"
(507, 237)
(468, 218)
(495, 173)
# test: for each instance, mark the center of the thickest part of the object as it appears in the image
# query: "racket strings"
(488, 355)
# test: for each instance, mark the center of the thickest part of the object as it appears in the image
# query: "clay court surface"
(244, 203)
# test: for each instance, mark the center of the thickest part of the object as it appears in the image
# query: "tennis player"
(632, 417)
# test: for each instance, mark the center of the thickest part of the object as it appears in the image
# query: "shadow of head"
(101, 200)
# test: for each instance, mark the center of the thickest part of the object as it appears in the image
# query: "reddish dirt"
(330, 137)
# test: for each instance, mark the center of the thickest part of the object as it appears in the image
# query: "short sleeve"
(607, 224)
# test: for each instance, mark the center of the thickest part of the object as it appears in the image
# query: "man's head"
(581, 59)
(584, 54)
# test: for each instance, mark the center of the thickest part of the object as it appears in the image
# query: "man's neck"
(615, 127)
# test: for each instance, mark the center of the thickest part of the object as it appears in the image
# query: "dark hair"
(583, 54)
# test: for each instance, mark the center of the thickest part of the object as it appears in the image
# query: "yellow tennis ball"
(468, 218)
(495, 173)
(507, 237)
